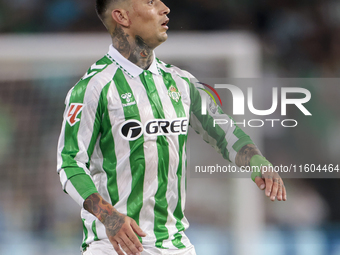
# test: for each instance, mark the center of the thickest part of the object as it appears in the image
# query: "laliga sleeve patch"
(73, 112)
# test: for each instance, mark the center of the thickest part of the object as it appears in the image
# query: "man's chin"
(160, 39)
(163, 37)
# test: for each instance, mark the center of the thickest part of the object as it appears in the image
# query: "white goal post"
(31, 57)
(21, 56)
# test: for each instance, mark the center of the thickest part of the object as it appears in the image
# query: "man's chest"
(152, 105)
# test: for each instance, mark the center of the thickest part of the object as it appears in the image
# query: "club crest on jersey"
(174, 94)
(73, 112)
(128, 98)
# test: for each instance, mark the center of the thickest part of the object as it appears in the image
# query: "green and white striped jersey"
(124, 136)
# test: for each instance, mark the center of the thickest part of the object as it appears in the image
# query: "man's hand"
(120, 229)
(273, 185)
(270, 181)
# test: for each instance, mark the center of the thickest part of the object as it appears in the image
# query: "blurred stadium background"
(39, 64)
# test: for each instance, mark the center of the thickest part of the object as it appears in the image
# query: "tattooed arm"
(120, 229)
(270, 181)
(244, 155)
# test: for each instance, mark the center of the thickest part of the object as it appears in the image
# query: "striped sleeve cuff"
(80, 187)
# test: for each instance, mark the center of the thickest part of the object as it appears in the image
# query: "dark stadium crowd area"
(300, 38)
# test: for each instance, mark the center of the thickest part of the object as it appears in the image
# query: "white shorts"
(104, 247)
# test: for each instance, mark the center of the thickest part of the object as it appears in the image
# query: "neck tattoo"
(137, 51)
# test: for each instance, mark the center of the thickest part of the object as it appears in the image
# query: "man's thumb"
(260, 183)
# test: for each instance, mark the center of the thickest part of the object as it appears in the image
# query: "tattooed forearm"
(134, 49)
(105, 212)
(245, 154)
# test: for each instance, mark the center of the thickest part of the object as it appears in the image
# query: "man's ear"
(121, 17)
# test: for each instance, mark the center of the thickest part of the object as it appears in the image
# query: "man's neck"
(133, 49)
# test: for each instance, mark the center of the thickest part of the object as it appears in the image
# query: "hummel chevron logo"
(93, 67)
(73, 112)
(97, 67)
(88, 75)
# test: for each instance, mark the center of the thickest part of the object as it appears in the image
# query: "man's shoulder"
(95, 78)
(93, 81)
(99, 74)
(174, 70)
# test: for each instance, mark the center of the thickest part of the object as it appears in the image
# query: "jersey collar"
(127, 66)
